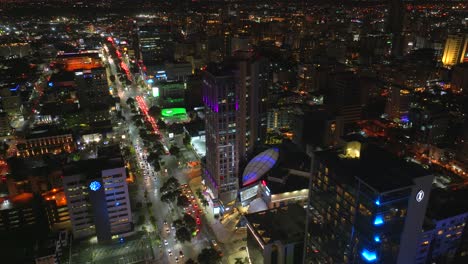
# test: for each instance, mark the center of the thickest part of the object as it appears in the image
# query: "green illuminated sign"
(171, 112)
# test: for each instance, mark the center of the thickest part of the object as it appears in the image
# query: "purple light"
(216, 108)
(404, 119)
(237, 105)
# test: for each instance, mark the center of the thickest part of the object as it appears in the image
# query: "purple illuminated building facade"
(223, 126)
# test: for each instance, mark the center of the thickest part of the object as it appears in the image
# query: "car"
(168, 230)
(169, 252)
(165, 242)
(195, 205)
(181, 254)
(176, 259)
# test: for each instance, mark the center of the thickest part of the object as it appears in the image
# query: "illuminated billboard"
(248, 193)
(173, 112)
(155, 91)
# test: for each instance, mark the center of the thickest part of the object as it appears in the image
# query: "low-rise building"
(276, 235)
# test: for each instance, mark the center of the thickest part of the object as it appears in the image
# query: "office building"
(276, 235)
(345, 97)
(395, 20)
(156, 43)
(365, 206)
(455, 50)
(459, 83)
(252, 79)
(278, 118)
(317, 128)
(221, 97)
(97, 195)
(398, 103)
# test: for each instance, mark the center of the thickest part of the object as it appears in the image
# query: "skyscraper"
(365, 206)
(455, 50)
(252, 78)
(396, 15)
(221, 95)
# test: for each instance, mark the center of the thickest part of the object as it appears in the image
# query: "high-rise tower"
(222, 118)
(395, 19)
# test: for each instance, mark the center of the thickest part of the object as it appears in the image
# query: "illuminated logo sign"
(94, 186)
(420, 196)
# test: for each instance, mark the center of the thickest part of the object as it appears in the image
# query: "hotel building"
(365, 206)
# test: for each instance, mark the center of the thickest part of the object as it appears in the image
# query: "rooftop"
(285, 224)
(447, 203)
(93, 167)
(378, 168)
(260, 165)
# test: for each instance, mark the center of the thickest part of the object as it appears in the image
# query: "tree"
(187, 139)
(170, 190)
(189, 222)
(156, 165)
(174, 150)
(141, 219)
(199, 193)
(168, 197)
(183, 234)
(161, 124)
(190, 261)
(130, 101)
(155, 112)
(209, 256)
(153, 156)
(182, 201)
(137, 117)
(139, 205)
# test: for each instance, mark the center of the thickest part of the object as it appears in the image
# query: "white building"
(97, 196)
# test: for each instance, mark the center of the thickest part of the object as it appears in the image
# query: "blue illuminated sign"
(50, 84)
(377, 202)
(369, 256)
(94, 186)
(378, 220)
(377, 238)
(150, 81)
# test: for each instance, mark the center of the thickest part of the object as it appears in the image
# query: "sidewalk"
(222, 233)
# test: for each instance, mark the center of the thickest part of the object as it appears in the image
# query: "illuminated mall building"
(98, 201)
(365, 206)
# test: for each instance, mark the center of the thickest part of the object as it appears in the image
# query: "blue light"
(14, 89)
(377, 202)
(378, 220)
(377, 238)
(50, 84)
(249, 176)
(94, 186)
(369, 256)
(121, 240)
(117, 204)
(150, 81)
